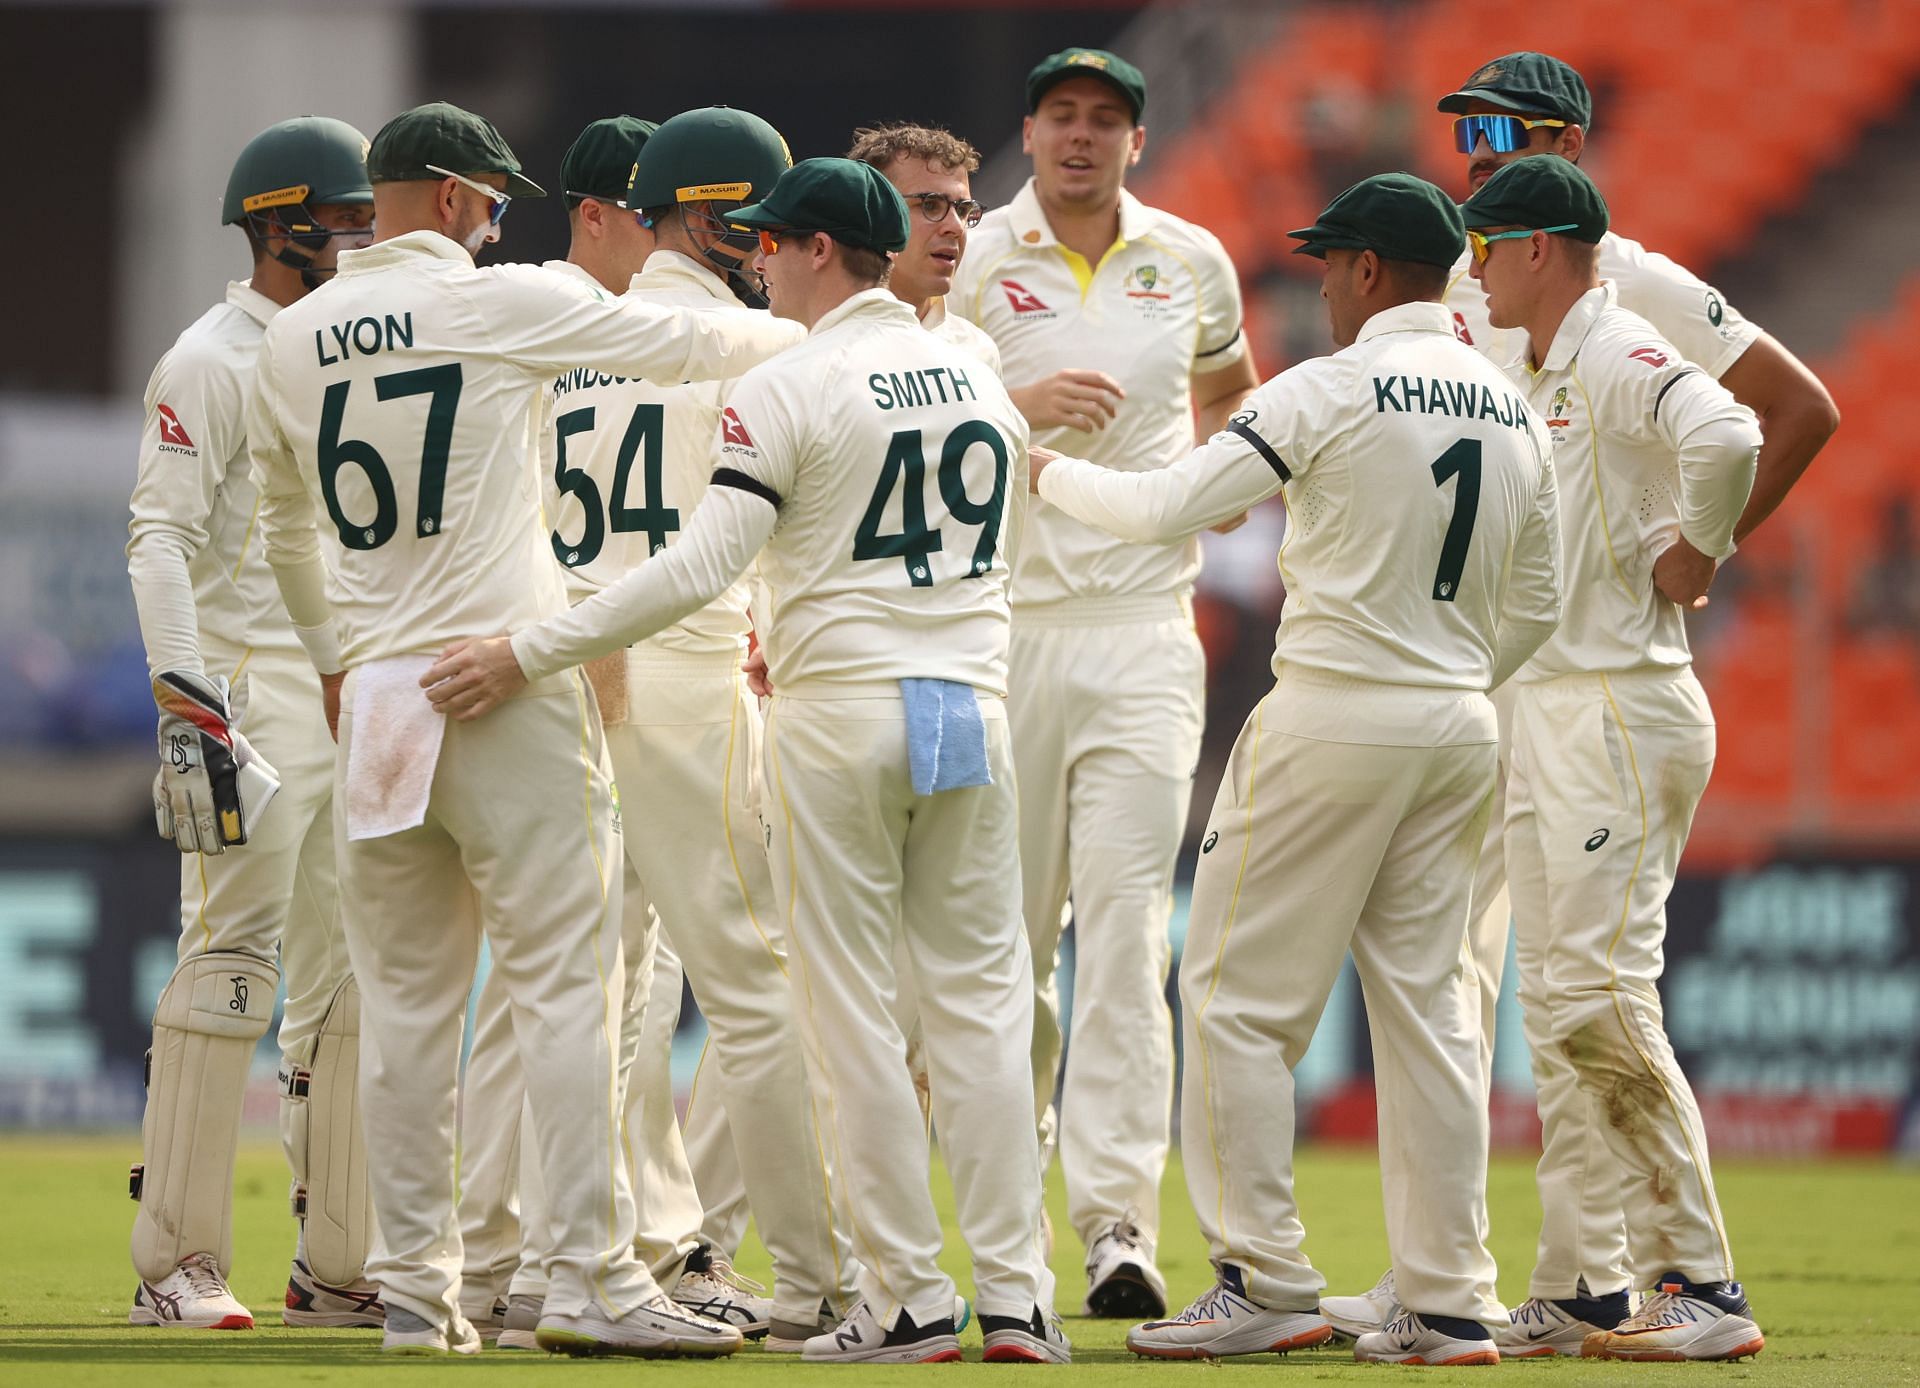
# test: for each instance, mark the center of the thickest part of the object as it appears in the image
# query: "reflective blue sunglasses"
(1503, 134)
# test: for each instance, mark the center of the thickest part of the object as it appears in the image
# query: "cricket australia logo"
(1557, 417)
(1148, 301)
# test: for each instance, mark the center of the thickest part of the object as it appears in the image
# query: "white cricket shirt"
(1162, 304)
(968, 337)
(392, 434)
(879, 473)
(1422, 541)
(201, 585)
(1647, 446)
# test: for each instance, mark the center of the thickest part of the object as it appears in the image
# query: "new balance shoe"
(1542, 1328)
(194, 1296)
(417, 1337)
(1683, 1320)
(521, 1321)
(710, 1287)
(655, 1329)
(1354, 1316)
(790, 1337)
(313, 1303)
(1122, 1282)
(1438, 1340)
(861, 1339)
(1041, 1339)
(1223, 1322)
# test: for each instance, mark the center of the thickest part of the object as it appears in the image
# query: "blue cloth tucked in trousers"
(946, 741)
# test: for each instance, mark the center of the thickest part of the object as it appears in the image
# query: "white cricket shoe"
(1040, 1339)
(517, 1327)
(1122, 1282)
(655, 1329)
(711, 1288)
(1681, 1320)
(1543, 1328)
(194, 1296)
(416, 1336)
(790, 1337)
(313, 1303)
(1354, 1316)
(488, 1322)
(860, 1339)
(1410, 1340)
(1223, 1322)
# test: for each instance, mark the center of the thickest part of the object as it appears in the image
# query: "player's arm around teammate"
(240, 705)
(1613, 743)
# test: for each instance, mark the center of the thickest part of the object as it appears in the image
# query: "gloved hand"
(212, 787)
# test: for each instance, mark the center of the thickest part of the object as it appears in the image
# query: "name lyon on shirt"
(363, 337)
(904, 390)
(1461, 399)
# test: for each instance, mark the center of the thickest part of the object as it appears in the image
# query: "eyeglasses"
(770, 241)
(1479, 240)
(935, 206)
(1503, 134)
(500, 199)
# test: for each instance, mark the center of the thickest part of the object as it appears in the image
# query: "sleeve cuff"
(323, 647)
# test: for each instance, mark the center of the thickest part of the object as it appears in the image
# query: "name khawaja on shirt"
(904, 390)
(1460, 399)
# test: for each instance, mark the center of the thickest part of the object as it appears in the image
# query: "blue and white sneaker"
(1223, 1322)
(1439, 1340)
(1543, 1328)
(1683, 1320)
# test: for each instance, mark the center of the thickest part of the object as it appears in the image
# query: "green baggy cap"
(1540, 192)
(850, 201)
(443, 135)
(1534, 84)
(1394, 215)
(1088, 62)
(600, 162)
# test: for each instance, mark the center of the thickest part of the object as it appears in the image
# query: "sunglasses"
(770, 241)
(935, 206)
(1503, 134)
(500, 199)
(1479, 240)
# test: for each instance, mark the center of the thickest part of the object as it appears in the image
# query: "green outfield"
(1830, 1254)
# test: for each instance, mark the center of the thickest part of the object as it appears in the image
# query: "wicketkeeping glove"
(212, 787)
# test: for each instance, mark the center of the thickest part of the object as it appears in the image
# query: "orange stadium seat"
(1874, 748)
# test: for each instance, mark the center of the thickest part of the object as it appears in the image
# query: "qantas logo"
(171, 430)
(1460, 330)
(1023, 299)
(733, 431)
(1651, 356)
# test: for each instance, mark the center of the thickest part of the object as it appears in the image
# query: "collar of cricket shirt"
(677, 270)
(250, 301)
(876, 303)
(1574, 328)
(409, 244)
(1421, 316)
(1028, 220)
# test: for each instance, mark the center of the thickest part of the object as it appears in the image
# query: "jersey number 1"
(914, 541)
(1462, 461)
(442, 384)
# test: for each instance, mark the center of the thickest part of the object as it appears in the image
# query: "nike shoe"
(1683, 1320)
(1040, 1339)
(1542, 1328)
(655, 1329)
(1223, 1322)
(711, 1288)
(313, 1303)
(521, 1321)
(1440, 1340)
(194, 1296)
(1122, 1282)
(1354, 1316)
(860, 1339)
(417, 1337)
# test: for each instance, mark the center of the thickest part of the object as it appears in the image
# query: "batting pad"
(328, 1146)
(212, 1013)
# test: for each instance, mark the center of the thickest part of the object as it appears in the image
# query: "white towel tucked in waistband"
(396, 745)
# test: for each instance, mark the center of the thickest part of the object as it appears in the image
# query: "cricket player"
(875, 472)
(1612, 745)
(396, 402)
(1422, 568)
(1120, 320)
(1521, 106)
(228, 675)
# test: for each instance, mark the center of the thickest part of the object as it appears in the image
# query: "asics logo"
(1210, 841)
(1599, 838)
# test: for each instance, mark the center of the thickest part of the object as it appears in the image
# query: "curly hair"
(880, 145)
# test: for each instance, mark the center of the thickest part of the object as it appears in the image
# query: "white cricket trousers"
(520, 840)
(1606, 773)
(685, 764)
(1108, 701)
(1329, 834)
(859, 861)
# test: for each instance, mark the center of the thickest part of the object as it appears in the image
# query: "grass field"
(1830, 1254)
